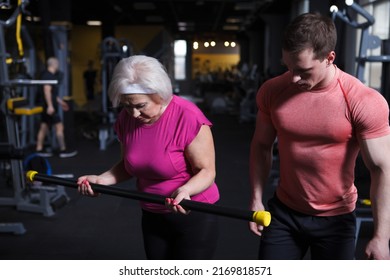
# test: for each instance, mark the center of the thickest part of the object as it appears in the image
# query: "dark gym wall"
(52, 11)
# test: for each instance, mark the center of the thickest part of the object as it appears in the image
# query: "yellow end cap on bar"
(30, 175)
(262, 218)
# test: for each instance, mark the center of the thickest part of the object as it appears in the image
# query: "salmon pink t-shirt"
(317, 139)
(154, 154)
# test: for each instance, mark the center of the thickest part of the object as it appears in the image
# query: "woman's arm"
(201, 156)
(116, 174)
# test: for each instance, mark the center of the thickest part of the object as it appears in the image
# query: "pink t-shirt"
(154, 154)
(317, 143)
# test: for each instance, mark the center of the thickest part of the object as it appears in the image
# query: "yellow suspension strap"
(18, 29)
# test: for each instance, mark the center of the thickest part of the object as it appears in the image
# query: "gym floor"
(108, 227)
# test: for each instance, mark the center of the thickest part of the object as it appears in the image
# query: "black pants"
(50, 119)
(291, 234)
(179, 237)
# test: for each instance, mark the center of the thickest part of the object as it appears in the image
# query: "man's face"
(307, 72)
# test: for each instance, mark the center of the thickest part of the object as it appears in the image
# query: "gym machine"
(367, 41)
(112, 51)
(13, 107)
(16, 228)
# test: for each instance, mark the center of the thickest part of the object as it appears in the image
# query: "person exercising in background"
(322, 118)
(49, 117)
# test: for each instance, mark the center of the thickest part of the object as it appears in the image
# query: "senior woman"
(167, 145)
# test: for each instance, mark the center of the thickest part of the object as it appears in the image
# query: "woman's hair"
(311, 30)
(142, 70)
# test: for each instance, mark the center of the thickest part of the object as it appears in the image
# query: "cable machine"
(10, 128)
(367, 41)
(16, 105)
(112, 51)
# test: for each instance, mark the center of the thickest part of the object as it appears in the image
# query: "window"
(180, 50)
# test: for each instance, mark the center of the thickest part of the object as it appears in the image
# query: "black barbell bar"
(259, 217)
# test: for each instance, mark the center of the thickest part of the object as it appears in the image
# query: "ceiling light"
(333, 9)
(195, 45)
(233, 20)
(231, 27)
(33, 19)
(94, 23)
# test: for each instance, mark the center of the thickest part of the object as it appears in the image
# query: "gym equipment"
(43, 198)
(15, 106)
(7, 151)
(15, 165)
(367, 40)
(363, 215)
(16, 228)
(113, 50)
(259, 217)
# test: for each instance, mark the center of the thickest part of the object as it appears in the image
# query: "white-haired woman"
(168, 146)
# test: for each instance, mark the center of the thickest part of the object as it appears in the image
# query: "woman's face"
(146, 108)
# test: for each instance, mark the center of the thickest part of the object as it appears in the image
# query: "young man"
(322, 118)
(49, 116)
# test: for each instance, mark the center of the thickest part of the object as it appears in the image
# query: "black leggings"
(179, 237)
(291, 234)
